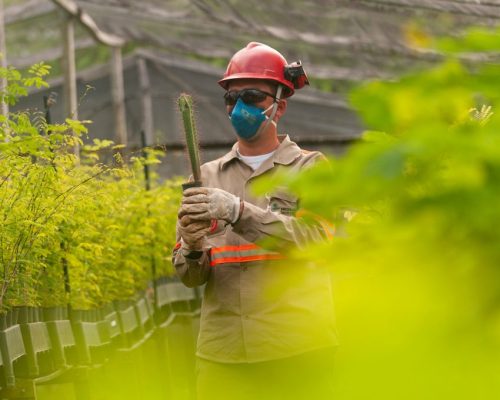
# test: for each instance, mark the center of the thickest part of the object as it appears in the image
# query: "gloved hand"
(193, 234)
(205, 204)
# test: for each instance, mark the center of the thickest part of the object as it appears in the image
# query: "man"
(267, 327)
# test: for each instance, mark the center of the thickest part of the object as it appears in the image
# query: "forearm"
(257, 224)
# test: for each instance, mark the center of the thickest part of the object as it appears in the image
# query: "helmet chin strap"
(274, 106)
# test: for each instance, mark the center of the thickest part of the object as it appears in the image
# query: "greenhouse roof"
(187, 44)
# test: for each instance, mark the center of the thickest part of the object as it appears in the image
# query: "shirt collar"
(285, 154)
(233, 154)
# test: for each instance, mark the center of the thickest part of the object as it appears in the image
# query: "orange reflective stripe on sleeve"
(241, 254)
(242, 247)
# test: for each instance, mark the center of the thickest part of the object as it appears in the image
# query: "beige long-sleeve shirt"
(257, 305)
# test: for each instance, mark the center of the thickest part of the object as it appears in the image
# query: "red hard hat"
(259, 61)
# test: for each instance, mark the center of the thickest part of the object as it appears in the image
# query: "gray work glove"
(205, 204)
(193, 234)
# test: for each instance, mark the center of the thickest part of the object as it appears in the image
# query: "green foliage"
(416, 268)
(19, 84)
(56, 210)
(473, 40)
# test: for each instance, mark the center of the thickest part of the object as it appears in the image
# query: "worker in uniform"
(267, 327)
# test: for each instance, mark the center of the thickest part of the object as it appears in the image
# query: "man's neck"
(264, 144)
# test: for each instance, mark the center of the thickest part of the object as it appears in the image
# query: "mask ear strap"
(274, 107)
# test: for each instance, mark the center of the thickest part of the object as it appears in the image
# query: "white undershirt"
(255, 162)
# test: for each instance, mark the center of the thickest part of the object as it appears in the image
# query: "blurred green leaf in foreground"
(416, 269)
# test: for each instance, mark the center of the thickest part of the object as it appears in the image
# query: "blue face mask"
(246, 119)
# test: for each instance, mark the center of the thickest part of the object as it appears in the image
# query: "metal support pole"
(146, 102)
(69, 68)
(118, 95)
(3, 61)
(147, 180)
